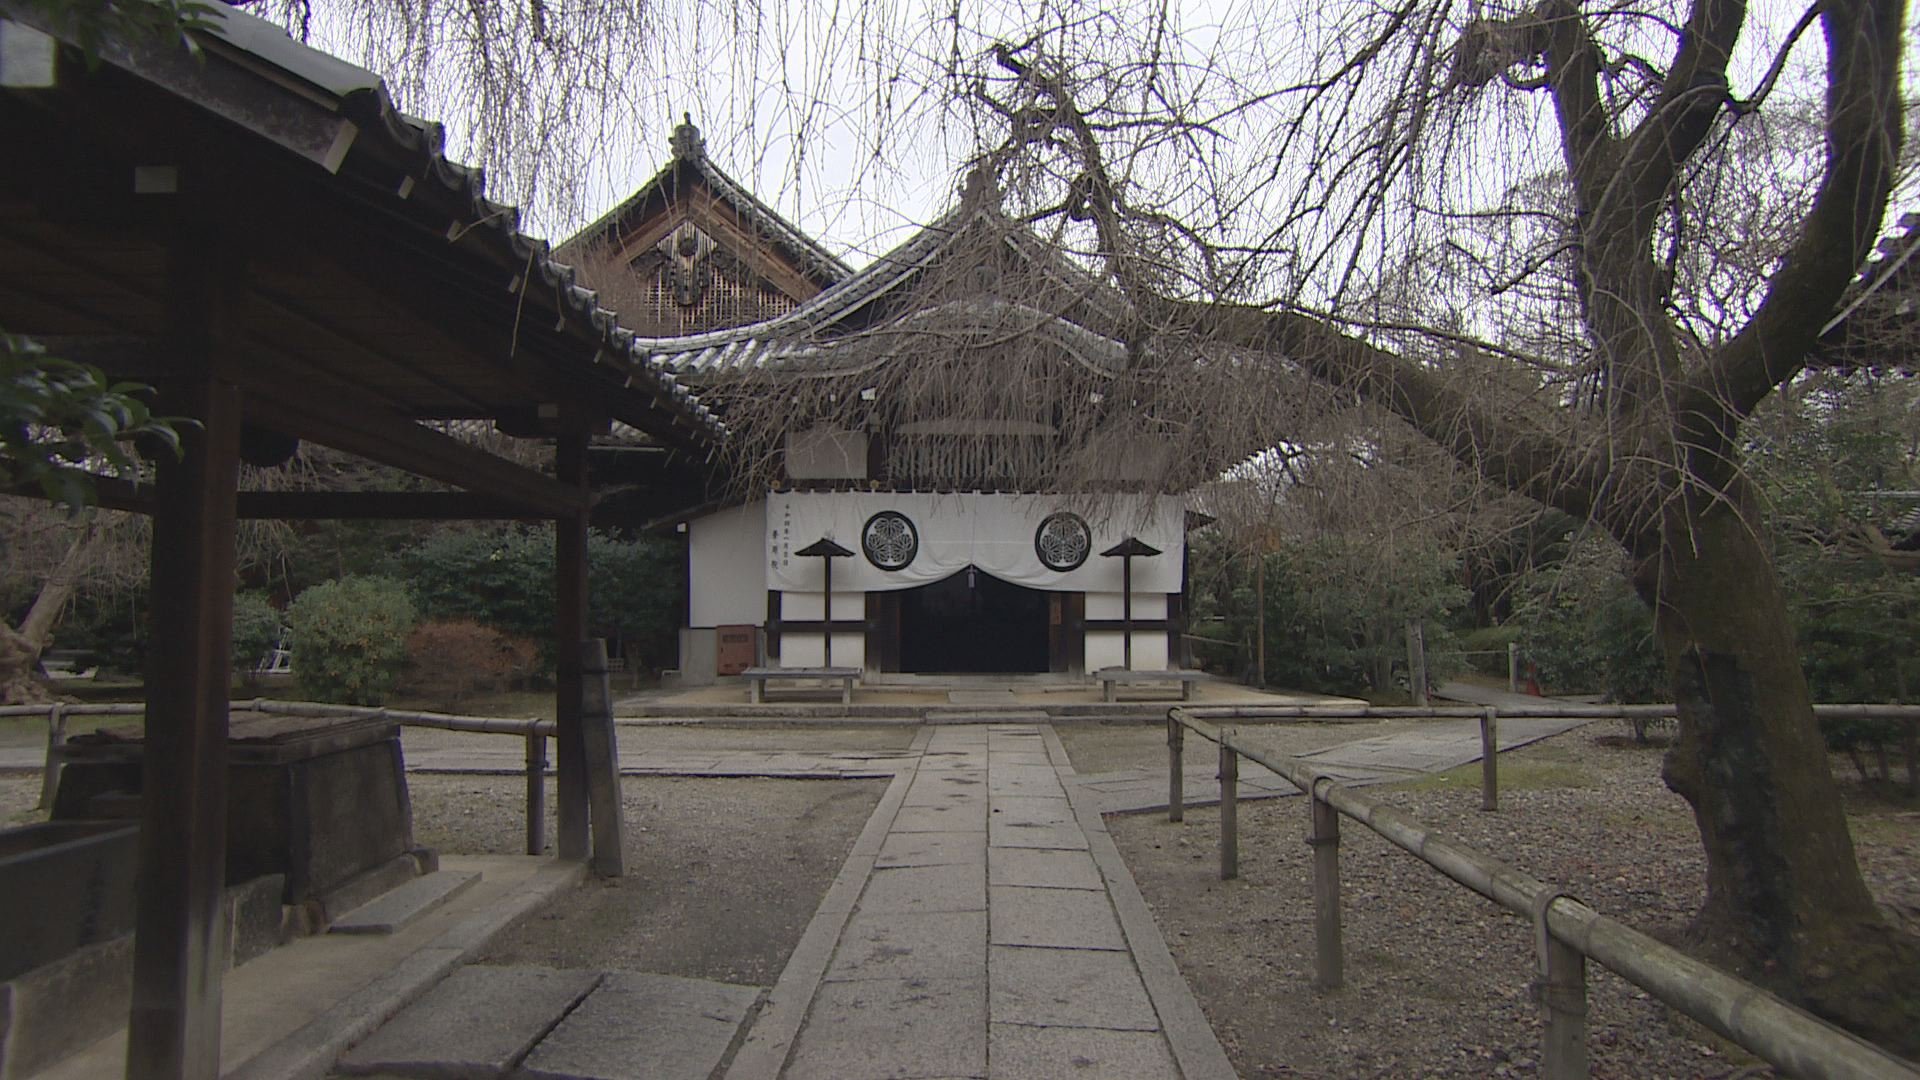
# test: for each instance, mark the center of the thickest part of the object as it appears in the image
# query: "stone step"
(644, 1027)
(480, 1021)
(396, 908)
(938, 715)
(547, 1024)
(981, 696)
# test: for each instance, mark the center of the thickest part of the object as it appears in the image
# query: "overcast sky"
(838, 114)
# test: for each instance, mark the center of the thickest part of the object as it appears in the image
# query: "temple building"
(924, 480)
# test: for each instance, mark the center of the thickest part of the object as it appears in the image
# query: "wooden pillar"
(1417, 660)
(826, 615)
(1490, 759)
(1176, 769)
(1329, 967)
(1126, 611)
(179, 956)
(569, 630)
(536, 793)
(1229, 809)
(1260, 620)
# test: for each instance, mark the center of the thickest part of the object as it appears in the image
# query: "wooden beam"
(349, 422)
(378, 506)
(109, 352)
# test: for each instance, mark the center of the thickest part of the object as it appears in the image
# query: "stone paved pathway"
(995, 934)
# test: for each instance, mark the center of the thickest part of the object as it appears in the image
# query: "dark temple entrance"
(973, 622)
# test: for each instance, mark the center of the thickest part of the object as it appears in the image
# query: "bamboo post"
(57, 737)
(1490, 759)
(536, 791)
(1417, 660)
(1561, 989)
(1176, 769)
(1323, 835)
(1229, 810)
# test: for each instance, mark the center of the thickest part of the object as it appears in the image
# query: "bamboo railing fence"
(1567, 933)
(534, 731)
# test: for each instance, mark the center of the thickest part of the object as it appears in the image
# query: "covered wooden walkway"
(259, 234)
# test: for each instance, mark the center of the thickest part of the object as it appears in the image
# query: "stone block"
(397, 907)
(901, 945)
(1068, 988)
(1025, 780)
(60, 1007)
(1053, 1053)
(1054, 918)
(954, 817)
(479, 1022)
(931, 849)
(958, 887)
(256, 920)
(644, 1027)
(882, 1028)
(1030, 810)
(1066, 836)
(1043, 868)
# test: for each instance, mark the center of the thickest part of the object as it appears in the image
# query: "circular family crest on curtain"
(1062, 541)
(889, 540)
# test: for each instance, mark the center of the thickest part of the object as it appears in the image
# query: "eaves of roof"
(1888, 272)
(801, 338)
(438, 194)
(815, 259)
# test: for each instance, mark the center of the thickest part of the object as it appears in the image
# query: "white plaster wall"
(806, 650)
(1111, 605)
(803, 649)
(1107, 648)
(726, 573)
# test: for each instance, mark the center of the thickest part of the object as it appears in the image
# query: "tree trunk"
(1786, 904)
(20, 649)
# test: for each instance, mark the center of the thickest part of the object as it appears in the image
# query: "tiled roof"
(689, 152)
(1869, 326)
(816, 333)
(361, 96)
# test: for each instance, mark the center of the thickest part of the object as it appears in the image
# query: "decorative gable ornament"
(688, 251)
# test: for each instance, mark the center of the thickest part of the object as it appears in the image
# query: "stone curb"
(763, 1053)
(309, 1052)
(743, 715)
(1196, 1050)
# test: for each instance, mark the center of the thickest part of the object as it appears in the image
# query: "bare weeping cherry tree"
(1505, 222)
(1614, 380)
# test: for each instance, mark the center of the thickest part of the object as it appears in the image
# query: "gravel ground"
(1114, 745)
(722, 874)
(697, 737)
(19, 792)
(1437, 977)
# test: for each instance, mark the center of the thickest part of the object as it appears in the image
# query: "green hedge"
(350, 639)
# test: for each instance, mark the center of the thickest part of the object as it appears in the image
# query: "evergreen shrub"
(350, 639)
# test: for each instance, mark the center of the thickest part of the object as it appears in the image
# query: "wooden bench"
(1112, 677)
(757, 678)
